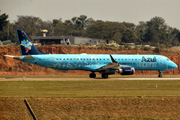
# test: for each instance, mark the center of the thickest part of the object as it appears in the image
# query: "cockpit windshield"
(168, 59)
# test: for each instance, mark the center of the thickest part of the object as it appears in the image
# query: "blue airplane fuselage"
(91, 62)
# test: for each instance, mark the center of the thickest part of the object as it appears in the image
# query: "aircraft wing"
(112, 66)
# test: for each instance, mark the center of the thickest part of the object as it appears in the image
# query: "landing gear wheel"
(160, 76)
(104, 75)
(92, 75)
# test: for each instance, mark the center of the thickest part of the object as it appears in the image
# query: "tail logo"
(26, 44)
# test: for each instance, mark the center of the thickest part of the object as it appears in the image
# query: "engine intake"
(126, 71)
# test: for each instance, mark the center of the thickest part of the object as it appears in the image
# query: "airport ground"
(55, 97)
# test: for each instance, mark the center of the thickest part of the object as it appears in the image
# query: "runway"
(81, 79)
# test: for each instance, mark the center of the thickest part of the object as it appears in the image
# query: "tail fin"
(26, 46)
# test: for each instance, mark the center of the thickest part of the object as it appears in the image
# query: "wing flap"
(112, 66)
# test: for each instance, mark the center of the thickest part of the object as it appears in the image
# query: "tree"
(81, 22)
(3, 21)
(157, 32)
(174, 35)
(141, 30)
(30, 24)
(129, 36)
(129, 25)
(152, 37)
(157, 23)
(106, 30)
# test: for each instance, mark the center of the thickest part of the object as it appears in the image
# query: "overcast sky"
(106, 10)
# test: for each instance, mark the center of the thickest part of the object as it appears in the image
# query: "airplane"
(106, 64)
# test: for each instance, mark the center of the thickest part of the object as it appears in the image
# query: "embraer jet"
(102, 63)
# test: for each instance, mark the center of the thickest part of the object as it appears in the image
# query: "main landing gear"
(104, 75)
(160, 76)
(93, 75)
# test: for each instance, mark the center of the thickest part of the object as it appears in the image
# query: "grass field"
(90, 99)
(89, 89)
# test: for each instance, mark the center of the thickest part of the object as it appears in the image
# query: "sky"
(107, 10)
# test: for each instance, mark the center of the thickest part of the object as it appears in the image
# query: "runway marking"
(81, 79)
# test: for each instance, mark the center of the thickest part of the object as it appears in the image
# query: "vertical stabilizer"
(26, 46)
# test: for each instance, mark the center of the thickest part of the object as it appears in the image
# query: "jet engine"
(126, 71)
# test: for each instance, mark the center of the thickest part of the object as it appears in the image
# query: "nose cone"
(172, 65)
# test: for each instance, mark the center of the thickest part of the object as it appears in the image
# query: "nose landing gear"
(160, 76)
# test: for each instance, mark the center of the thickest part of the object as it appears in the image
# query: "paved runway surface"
(80, 79)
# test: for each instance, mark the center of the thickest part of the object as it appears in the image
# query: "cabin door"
(160, 62)
(51, 59)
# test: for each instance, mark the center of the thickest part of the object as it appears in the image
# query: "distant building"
(68, 40)
(65, 40)
(1, 43)
(6, 42)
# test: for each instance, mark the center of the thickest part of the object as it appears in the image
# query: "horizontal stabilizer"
(28, 57)
(15, 57)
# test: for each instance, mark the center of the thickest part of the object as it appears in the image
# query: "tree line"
(153, 32)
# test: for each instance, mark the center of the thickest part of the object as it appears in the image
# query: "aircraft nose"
(172, 66)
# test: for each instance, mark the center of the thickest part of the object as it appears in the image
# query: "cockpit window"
(168, 59)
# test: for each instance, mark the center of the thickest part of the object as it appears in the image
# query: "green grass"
(89, 89)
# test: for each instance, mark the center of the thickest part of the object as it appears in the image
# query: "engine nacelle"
(126, 71)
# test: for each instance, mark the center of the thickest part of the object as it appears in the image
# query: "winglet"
(112, 59)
